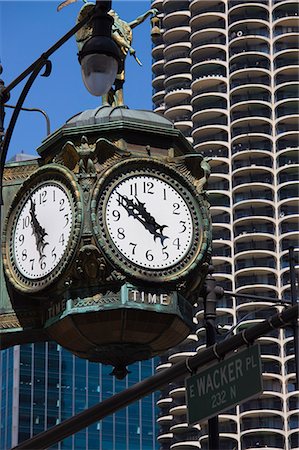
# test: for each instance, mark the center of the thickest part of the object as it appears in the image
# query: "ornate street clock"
(148, 221)
(42, 229)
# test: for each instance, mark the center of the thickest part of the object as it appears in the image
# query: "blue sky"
(27, 29)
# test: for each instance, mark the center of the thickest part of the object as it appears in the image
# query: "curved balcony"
(288, 173)
(289, 225)
(263, 438)
(244, 193)
(249, 243)
(250, 143)
(286, 10)
(208, 20)
(206, 6)
(225, 442)
(254, 160)
(254, 225)
(287, 92)
(286, 109)
(248, 44)
(272, 422)
(255, 260)
(249, 28)
(293, 402)
(209, 101)
(210, 133)
(158, 68)
(291, 240)
(219, 199)
(212, 52)
(176, 18)
(262, 291)
(251, 76)
(219, 165)
(289, 42)
(177, 66)
(157, 52)
(265, 403)
(257, 208)
(212, 116)
(174, 5)
(285, 27)
(287, 74)
(177, 50)
(201, 38)
(288, 124)
(250, 94)
(177, 34)
(221, 233)
(249, 110)
(252, 278)
(220, 216)
(208, 69)
(284, 260)
(251, 125)
(176, 83)
(179, 113)
(158, 83)
(293, 422)
(252, 312)
(288, 156)
(290, 190)
(177, 97)
(253, 175)
(272, 384)
(249, 61)
(247, 11)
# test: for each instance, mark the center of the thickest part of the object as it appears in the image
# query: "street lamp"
(98, 51)
(99, 57)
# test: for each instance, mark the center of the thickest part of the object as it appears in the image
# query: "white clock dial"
(42, 231)
(149, 222)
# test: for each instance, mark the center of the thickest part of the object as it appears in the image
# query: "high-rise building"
(43, 384)
(226, 73)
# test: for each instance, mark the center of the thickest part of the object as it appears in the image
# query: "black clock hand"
(139, 212)
(38, 231)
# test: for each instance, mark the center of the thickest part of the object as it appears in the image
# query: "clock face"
(42, 230)
(149, 221)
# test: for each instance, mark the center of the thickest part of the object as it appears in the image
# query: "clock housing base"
(120, 328)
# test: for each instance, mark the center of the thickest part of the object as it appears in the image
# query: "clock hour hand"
(38, 231)
(137, 210)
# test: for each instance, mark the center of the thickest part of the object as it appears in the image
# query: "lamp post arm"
(48, 126)
(34, 70)
(14, 117)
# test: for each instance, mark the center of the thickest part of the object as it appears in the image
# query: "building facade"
(226, 72)
(43, 384)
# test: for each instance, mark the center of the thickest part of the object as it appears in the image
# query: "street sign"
(224, 385)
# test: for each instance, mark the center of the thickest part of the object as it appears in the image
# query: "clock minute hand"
(139, 212)
(38, 231)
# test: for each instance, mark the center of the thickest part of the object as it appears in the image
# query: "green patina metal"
(94, 284)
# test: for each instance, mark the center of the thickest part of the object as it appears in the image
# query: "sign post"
(224, 385)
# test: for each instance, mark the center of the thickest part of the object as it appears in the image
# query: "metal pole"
(257, 297)
(210, 299)
(294, 297)
(190, 365)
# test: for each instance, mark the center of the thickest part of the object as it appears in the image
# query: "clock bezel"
(52, 173)
(200, 240)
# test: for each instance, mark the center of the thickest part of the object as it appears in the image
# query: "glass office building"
(226, 73)
(43, 384)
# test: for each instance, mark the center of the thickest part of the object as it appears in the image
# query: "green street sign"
(224, 385)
